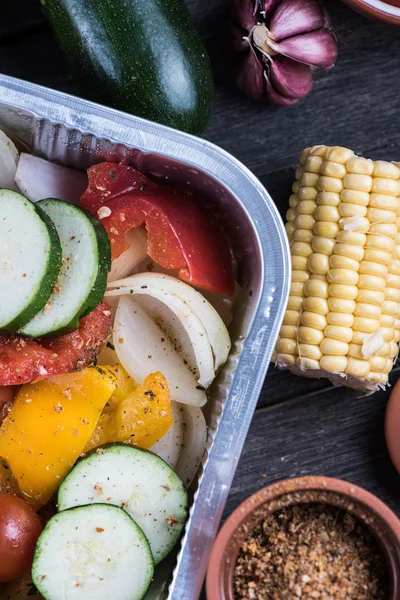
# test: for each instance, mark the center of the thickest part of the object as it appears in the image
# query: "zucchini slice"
(104, 266)
(139, 482)
(78, 272)
(91, 553)
(30, 260)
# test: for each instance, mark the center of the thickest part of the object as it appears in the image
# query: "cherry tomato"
(20, 528)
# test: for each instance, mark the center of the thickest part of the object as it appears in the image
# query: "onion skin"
(275, 44)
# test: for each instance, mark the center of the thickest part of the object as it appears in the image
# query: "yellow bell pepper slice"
(140, 419)
(124, 385)
(48, 427)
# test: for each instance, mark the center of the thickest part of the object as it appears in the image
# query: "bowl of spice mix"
(309, 538)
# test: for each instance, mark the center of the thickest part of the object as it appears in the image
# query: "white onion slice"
(170, 445)
(8, 162)
(143, 348)
(194, 443)
(187, 318)
(125, 263)
(37, 178)
(217, 333)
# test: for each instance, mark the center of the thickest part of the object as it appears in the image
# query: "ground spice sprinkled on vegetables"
(311, 551)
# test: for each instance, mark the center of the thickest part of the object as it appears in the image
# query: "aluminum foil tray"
(79, 133)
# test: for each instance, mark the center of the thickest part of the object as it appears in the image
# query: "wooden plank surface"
(301, 426)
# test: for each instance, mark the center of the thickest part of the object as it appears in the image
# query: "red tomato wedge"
(23, 359)
(182, 234)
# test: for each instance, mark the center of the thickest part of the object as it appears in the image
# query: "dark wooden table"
(301, 426)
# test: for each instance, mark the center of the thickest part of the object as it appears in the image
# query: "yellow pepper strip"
(125, 385)
(141, 418)
(48, 427)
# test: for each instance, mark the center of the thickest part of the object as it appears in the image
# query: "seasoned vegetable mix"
(101, 427)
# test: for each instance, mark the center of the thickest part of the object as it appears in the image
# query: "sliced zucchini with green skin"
(104, 249)
(30, 260)
(91, 553)
(78, 272)
(139, 482)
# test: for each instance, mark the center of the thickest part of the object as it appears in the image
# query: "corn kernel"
(291, 317)
(347, 292)
(338, 261)
(383, 229)
(383, 216)
(361, 166)
(288, 331)
(313, 320)
(333, 169)
(309, 351)
(377, 363)
(370, 311)
(371, 282)
(355, 238)
(355, 197)
(370, 297)
(354, 181)
(307, 193)
(384, 202)
(297, 288)
(333, 364)
(382, 168)
(335, 347)
(308, 335)
(293, 200)
(317, 288)
(305, 207)
(386, 186)
(350, 251)
(300, 276)
(316, 305)
(307, 363)
(355, 351)
(341, 319)
(386, 244)
(328, 198)
(304, 221)
(299, 263)
(327, 213)
(357, 368)
(336, 332)
(301, 235)
(295, 303)
(309, 179)
(390, 308)
(329, 184)
(365, 324)
(285, 359)
(326, 229)
(378, 256)
(286, 346)
(386, 321)
(393, 280)
(342, 276)
(352, 210)
(313, 164)
(338, 154)
(373, 268)
(318, 263)
(341, 305)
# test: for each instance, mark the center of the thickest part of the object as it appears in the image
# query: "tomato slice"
(182, 234)
(23, 359)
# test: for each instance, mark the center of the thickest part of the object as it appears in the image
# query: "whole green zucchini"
(141, 56)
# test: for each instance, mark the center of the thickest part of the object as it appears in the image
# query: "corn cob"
(343, 315)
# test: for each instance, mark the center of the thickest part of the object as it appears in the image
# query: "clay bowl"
(380, 520)
(389, 12)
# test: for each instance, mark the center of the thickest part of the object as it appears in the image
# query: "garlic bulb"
(276, 43)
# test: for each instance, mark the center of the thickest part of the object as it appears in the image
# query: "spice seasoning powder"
(311, 551)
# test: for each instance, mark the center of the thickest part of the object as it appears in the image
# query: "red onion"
(275, 45)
